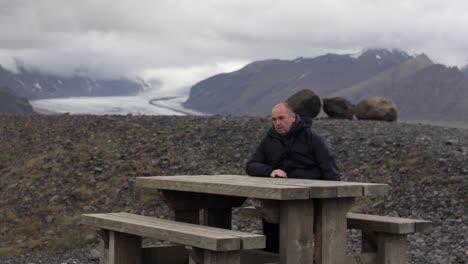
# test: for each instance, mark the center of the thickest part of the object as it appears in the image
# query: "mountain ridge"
(275, 80)
(33, 84)
(421, 89)
(11, 103)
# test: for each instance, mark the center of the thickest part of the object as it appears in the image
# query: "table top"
(262, 187)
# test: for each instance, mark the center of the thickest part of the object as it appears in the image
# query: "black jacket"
(301, 154)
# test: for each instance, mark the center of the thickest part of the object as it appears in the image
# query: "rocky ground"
(54, 168)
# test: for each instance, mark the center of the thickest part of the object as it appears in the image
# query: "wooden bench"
(385, 236)
(384, 239)
(122, 238)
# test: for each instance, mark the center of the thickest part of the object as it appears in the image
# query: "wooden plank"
(124, 248)
(248, 240)
(330, 230)
(391, 248)
(264, 190)
(165, 254)
(423, 226)
(394, 225)
(374, 189)
(350, 191)
(261, 187)
(367, 258)
(296, 231)
(166, 230)
(103, 246)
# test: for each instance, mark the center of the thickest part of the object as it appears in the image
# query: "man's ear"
(294, 116)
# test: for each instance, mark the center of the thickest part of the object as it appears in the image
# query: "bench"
(384, 239)
(122, 234)
(385, 236)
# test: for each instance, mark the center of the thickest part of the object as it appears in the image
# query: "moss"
(75, 239)
(7, 251)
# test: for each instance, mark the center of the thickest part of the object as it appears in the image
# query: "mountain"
(422, 90)
(10, 103)
(36, 85)
(257, 86)
(385, 80)
(465, 70)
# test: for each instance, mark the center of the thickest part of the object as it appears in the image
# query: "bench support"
(331, 222)
(391, 248)
(124, 248)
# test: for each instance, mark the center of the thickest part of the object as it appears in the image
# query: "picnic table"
(303, 205)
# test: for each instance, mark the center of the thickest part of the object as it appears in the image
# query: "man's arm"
(257, 166)
(325, 158)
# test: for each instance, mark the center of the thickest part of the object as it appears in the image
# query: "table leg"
(296, 231)
(217, 217)
(330, 230)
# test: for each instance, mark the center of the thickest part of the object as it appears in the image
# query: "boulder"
(376, 108)
(305, 103)
(338, 107)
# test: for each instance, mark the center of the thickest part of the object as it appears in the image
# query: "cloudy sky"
(181, 42)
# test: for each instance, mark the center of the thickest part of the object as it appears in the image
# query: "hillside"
(33, 84)
(256, 87)
(385, 80)
(422, 90)
(53, 168)
(10, 103)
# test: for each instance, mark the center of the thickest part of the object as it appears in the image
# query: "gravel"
(425, 166)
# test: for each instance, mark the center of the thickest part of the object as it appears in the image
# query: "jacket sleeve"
(257, 165)
(325, 159)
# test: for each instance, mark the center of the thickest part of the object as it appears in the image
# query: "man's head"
(283, 118)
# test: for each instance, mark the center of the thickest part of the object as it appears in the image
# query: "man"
(290, 150)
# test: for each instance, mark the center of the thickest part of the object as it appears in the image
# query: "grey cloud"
(126, 38)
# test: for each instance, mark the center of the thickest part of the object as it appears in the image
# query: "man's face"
(282, 119)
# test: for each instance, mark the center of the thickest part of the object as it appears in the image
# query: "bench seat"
(387, 224)
(384, 238)
(205, 239)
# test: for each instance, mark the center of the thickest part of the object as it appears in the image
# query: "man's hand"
(278, 173)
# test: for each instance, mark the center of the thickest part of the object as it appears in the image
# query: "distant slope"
(376, 85)
(436, 93)
(465, 70)
(256, 87)
(36, 85)
(10, 103)
(420, 89)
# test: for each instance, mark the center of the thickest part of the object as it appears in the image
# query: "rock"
(94, 254)
(376, 108)
(338, 107)
(305, 103)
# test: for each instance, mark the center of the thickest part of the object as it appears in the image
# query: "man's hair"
(287, 107)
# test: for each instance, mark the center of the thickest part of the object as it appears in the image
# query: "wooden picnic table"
(217, 194)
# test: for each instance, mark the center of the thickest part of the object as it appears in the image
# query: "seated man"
(290, 150)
